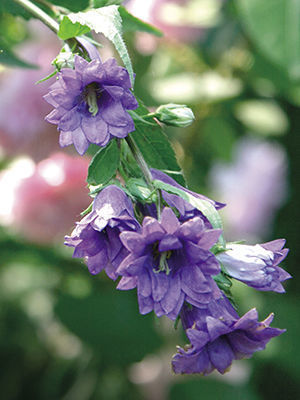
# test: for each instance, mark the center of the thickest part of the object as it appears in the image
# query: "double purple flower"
(257, 266)
(169, 262)
(96, 236)
(90, 103)
(185, 209)
(218, 336)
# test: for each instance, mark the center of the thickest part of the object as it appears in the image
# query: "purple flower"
(218, 336)
(254, 186)
(90, 103)
(170, 263)
(96, 236)
(186, 210)
(257, 266)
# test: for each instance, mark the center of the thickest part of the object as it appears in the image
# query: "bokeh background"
(65, 334)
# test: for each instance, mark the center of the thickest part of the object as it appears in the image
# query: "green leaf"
(133, 24)
(106, 20)
(103, 3)
(274, 27)
(207, 209)
(156, 148)
(68, 29)
(104, 164)
(77, 5)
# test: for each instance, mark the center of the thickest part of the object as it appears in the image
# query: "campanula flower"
(169, 262)
(91, 102)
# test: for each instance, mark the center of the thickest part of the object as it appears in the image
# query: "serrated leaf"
(104, 164)
(68, 29)
(207, 209)
(133, 24)
(155, 147)
(105, 20)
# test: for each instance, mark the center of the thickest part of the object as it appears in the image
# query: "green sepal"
(87, 210)
(141, 191)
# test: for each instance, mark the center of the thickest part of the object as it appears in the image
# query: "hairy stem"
(140, 160)
(40, 14)
(50, 22)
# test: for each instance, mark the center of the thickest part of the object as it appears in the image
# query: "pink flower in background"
(253, 186)
(47, 203)
(22, 110)
(183, 20)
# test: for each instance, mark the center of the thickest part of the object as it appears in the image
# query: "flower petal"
(70, 121)
(113, 113)
(116, 74)
(65, 139)
(80, 142)
(95, 130)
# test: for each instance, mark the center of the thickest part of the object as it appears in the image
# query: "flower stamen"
(91, 96)
(92, 102)
(163, 264)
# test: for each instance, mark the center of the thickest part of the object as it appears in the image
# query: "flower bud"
(65, 59)
(175, 115)
(257, 266)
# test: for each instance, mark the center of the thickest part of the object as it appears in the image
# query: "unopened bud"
(65, 59)
(175, 115)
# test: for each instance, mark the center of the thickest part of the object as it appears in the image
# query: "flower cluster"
(169, 247)
(170, 261)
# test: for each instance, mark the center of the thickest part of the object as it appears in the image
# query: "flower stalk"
(40, 14)
(140, 160)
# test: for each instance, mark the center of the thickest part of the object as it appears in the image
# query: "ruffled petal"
(65, 139)
(80, 142)
(160, 285)
(127, 283)
(116, 74)
(95, 130)
(113, 113)
(70, 120)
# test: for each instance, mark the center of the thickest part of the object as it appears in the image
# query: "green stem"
(40, 14)
(140, 160)
(146, 171)
(158, 204)
(50, 22)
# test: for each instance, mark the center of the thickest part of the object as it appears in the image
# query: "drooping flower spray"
(144, 227)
